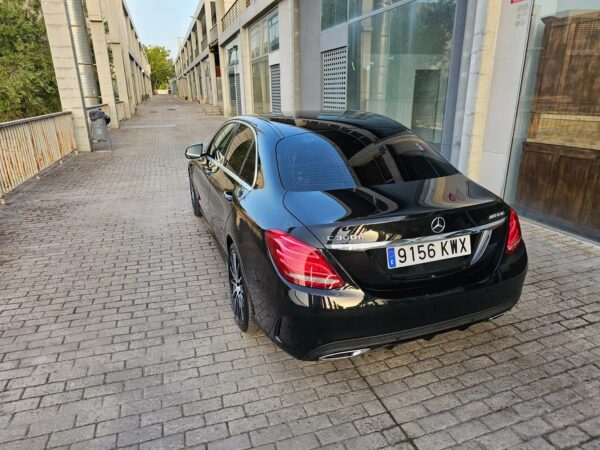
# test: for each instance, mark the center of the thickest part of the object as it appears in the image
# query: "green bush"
(27, 82)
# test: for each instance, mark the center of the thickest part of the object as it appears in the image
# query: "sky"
(161, 22)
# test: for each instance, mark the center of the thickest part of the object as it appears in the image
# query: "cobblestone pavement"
(115, 331)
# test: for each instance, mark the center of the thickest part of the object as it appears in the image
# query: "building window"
(274, 32)
(333, 12)
(398, 64)
(264, 38)
(553, 168)
(233, 55)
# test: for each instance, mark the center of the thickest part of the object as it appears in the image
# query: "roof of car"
(375, 125)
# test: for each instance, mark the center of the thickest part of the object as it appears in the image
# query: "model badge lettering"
(348, 237)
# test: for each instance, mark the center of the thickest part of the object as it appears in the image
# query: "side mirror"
(194, 151)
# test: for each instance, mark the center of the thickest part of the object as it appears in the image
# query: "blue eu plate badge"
(391, 254)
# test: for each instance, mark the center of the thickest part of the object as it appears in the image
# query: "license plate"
(409, 255)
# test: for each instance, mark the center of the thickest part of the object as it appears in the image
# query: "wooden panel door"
(537, 168)
(571, 183)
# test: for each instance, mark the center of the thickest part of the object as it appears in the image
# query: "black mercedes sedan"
(344, 233)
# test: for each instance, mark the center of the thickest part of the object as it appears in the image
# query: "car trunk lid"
(356, 226)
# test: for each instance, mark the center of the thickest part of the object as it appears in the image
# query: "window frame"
(227, 170)
(230, 151)
(258, 31)
(212, 141)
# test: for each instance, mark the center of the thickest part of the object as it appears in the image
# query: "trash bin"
(99, 125)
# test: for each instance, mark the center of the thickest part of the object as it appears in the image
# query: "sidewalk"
(116, 330)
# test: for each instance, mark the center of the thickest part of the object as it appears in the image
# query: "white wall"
(285, 56)
(509, 57)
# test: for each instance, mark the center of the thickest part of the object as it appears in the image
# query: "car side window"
(219, 144)
(241, 155)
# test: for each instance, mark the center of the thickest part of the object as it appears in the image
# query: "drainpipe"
(83, 52)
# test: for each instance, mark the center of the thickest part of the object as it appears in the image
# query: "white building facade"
(505, 89)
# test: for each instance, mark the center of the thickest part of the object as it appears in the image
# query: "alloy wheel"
(238, 295)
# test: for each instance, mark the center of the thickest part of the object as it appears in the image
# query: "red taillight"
(300, 263)
(514, 240)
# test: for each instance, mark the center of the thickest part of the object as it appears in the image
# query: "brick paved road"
(115, 330)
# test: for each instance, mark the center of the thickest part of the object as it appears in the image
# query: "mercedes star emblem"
(438, 224)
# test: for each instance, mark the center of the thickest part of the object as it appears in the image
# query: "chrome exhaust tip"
(345, 354)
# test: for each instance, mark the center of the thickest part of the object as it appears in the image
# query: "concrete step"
(211, 110)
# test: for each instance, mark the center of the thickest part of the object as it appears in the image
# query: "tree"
(161, 65)
(27, 82)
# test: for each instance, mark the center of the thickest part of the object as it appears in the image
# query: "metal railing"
(28, 146)
(213, 35)
(232, 13)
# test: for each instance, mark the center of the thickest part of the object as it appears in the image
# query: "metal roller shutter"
(335, 68)
(276, 88)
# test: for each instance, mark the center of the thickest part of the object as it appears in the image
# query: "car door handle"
(228, 195)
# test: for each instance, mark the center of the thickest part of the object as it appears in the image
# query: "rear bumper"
(405, 335)
(311, 333)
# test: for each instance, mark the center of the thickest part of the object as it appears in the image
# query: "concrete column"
(102, 60)
(213, 79)
(113, 10)
(65, 68)
(194, 40)
(483, 47)
(247, 70)
(124, 28)
(220, 9)
(197, 81)
(149, 86)
(121, 78)
(225, 82)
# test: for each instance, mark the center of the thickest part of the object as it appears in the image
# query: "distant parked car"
(345, 233)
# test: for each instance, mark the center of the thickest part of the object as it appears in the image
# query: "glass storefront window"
(556, 141)
(333, 12)
(398, 64)
(232, 61)
(264, 38)
(261, 94)
(357, 8)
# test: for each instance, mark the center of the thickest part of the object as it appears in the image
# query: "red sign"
(516, 1)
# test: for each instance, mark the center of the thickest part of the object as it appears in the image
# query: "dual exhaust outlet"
(342, 355)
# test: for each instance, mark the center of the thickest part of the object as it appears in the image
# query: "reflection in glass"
(264, 38)
(560, 105)
(335, 158)
(398, 64)
(333, 12)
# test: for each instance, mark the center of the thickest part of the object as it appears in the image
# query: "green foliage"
(161, 65)
(27, 82)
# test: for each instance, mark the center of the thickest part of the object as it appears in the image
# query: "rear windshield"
(332, 160)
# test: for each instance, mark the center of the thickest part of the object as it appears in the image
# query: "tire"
(195, 205)
(241, 304)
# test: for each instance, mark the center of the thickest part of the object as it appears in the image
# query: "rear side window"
(308, 162)
(315, 162)
(241, 155)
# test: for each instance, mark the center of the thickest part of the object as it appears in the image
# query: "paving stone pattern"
(116, 331)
